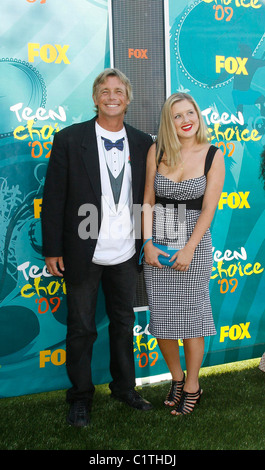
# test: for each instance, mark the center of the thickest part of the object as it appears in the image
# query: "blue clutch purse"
(164, 260)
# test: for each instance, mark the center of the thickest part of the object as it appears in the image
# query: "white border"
(111, 34)
(153, 379)
(167, 49)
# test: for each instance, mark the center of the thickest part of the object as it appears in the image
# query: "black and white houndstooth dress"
(179, 301)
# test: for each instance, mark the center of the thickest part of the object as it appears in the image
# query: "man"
(88, 237)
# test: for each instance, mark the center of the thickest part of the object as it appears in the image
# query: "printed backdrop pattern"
(51, 53)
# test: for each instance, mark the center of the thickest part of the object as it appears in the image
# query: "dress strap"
(209, 158)
(160, 158)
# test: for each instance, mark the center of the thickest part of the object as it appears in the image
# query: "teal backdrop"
(51, 52)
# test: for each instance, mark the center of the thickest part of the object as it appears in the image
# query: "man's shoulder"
(75, 129)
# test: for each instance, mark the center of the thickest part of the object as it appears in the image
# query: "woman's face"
(185, 118)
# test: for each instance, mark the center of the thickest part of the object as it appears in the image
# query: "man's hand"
(52, 265)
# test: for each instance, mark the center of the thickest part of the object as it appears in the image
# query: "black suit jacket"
(73, 179)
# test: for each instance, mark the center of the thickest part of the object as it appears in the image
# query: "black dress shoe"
(78, 414)
(133, 399)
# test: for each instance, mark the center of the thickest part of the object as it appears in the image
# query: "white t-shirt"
(116, 237)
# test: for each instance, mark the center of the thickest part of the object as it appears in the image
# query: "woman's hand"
(151, 254)
(183, 258)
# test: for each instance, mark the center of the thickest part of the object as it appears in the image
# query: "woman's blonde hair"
(167, 139)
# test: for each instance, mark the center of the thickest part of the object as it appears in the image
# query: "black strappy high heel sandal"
(175, 392)
(187, 403)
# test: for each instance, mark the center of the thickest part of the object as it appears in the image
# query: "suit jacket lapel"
(136, 163)
(91, 158)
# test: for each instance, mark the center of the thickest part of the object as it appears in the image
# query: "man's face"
(111, 99)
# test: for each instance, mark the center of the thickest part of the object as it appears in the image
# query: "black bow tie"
(109, 145)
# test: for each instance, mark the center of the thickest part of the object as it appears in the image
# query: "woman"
(181, 167)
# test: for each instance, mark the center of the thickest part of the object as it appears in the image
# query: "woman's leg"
(194, 351)
(170, 351)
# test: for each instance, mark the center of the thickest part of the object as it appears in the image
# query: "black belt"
(195, 204)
